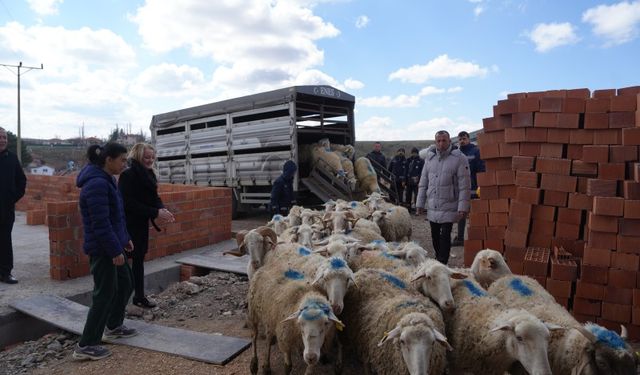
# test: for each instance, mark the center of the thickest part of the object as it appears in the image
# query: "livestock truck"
(242, 143)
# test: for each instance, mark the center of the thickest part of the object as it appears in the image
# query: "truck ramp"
(327, 186)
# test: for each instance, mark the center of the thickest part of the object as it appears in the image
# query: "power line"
(28, 68)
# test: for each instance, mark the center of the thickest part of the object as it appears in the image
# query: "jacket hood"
(426, 151)
(289, 169)
(91, 171)
(469, 146)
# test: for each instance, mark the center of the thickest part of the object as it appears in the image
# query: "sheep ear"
(398, 253)
(242, 248)
(390, 336)
(586, 333)
(319, 275)
(321, 251)
(503, 327)
(292, 316)
(321, 243)
(353, 280)
(332, 317)
(418, 276)
(457, 275)
(553, 327)
(442, 339)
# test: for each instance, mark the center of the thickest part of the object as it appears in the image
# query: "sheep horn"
(623, 332)
(268, 233)
(586, 333)
(292, 316)
(442, 339)
(390, 335)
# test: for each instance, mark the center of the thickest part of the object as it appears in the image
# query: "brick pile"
(560, 197)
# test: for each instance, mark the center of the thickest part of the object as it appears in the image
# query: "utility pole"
(28, 68)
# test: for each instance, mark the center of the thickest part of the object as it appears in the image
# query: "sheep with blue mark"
(359, 209)
(257, 242)
(278, 223)
(394, 223)
(366, 175)
(339, 221)
(491, 338)
(282, 302)
(294, 218)
(488, 266)
(434, 279)
(331, 276)
(302, 234)
(392, 329)
(580, 349)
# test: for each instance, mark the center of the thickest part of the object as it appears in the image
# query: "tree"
(12, 145)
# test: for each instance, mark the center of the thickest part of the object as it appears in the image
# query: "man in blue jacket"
(282, 191)
(472, 152)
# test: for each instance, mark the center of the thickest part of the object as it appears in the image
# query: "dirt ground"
(214, 304)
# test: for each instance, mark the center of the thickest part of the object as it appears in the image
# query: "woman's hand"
(129, 247)
(118, 260)
(166, 215)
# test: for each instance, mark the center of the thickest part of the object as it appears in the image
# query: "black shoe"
(457, 242)
(8, 279)
(144, 303)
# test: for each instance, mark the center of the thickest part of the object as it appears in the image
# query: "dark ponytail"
(98, 154)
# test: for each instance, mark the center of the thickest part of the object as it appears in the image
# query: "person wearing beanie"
(398, 166)
(414, 170)
(282, 195)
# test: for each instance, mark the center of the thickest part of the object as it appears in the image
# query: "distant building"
(43, 170)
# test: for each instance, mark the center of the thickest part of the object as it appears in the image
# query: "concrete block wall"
(567, 163)
(42, 190)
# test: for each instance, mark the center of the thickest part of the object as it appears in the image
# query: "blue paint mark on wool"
(293, 274)
(607, 337)
(377, 242)
(474, 289)
(354, 204)
(314, 310)
(407, 304)
(517, 285)
(394, 280)
(278, 217)
(387, 255)
(303, 251)
(337, 263)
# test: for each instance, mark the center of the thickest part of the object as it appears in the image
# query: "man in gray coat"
(444, 191)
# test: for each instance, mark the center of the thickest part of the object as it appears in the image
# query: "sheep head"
(333, 277)
(279, 223)
(608, 352)
(435, 283)
(488, 266)
(315, 320)
(411, 252)
(415, 336)
(258, 241)
(526, 340)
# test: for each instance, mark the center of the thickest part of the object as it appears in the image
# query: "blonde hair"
(137, 151)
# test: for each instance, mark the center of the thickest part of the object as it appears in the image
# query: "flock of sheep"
(348, 275)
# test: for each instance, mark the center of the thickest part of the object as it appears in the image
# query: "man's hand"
(419, 211)
(166, 215)
(118, 260)
(128, 247)
(461, 215)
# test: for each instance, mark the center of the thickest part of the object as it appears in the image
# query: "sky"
(414, 66)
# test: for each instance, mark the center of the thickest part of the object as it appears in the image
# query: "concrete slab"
(70, 316)
(215, 260)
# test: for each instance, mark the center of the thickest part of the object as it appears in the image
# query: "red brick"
(536, 262)
(597, 105)
(622, 278)
(611, 171)
(492, 137)
(580, 201)
(619, 154)
(528, 195)
(541, 240)
(542, 228)
(596, 120)
(631, 136)
(608, 206)
(553, 166)
(629, 227)
(607, 137)
(555, 198)
(595, 153)
(636, 297)
(515, 239)
(569, 216)
(602, 188)
(582, 184)
(523, 163)
(486, 178)
(620, 120)
(574, 152)
(628, 244)
(527, 179)
(476, 233)
(635, 316)
(564, 269)
(623, 103)
(560, 136)
(498, 218)
(479, 205)
(522, 120)
(631, 90)
(535, 135)
(604, 93)
(512, 135)
(632, 209)
(625, 261)
(478, 219)
(594, 274)
(545, 213)
(498, 164)
(499, 205)
(514, 254)
(631, 190)
(505, 177)
(495, 232)
(636, 172)
(528, 104)
(530, 149)
(583, 93)
(508, 149)
(551, 104)
(552, 150)
(568, 231)
(589, 291)
(489, 192)
(602, 223)
(472, 245)
(493, 244)
(583, 168)
(507, 191)
(505, 106)
(490, 150)
(560, 183)
(581, 136)
(520, 209)
(587, 306)
(491, 124)
(602, 240)
(559, 288)
(616, 312)
(545, 120)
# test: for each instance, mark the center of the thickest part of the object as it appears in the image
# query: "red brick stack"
(563, 172)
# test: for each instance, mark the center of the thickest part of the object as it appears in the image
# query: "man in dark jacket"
(12, 186)
(282, 190)
(472, 152)
(398, 166)
(377, 157)
(414, 170)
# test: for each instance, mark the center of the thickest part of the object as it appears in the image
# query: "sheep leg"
(339, 363)
(287, 362)
(267, 361)
(254, 359)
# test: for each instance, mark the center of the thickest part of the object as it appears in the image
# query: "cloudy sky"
(415, 66)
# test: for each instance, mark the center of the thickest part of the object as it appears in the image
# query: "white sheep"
(488, 266)
(302, 234)
(278, 223)
(321, 154)
(368, 224)
(580, 349)
(411, 252)
(294, 218)
(366, 175)
(394, 223)
(257, 242)
(382, 310)
(339, 221)
(310, 217)
(490, 338)
(288, 309)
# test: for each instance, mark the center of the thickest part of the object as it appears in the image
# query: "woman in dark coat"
(139, 187)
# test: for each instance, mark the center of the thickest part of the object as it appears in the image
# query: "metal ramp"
(386, 181)
(325, 184)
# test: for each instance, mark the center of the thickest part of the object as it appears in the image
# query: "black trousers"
(462, 224)
(412, 192)
(111, 292)
(139, 233)
(441, 238)
(6, 247)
